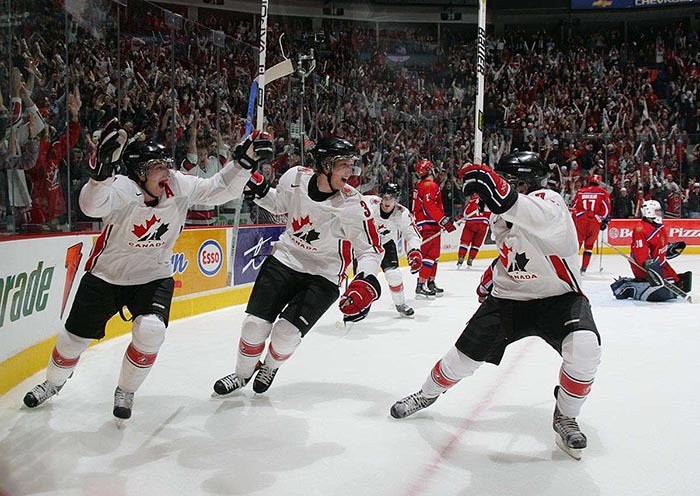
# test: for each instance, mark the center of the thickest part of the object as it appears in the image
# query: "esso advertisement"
(619, 231)
(210, 258)
(199, 261)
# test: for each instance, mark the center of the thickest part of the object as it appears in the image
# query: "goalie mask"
(651, 210)
(525, 171)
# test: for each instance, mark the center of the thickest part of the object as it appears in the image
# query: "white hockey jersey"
(321, 235)
(398, 227)
(538, 253)
(136, 243)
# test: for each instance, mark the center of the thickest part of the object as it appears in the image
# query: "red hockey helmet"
(424, 167)
(595, 179)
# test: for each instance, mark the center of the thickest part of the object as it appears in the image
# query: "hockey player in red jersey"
(430, 219)
(476, 224)
(327, 221)
(533, 292)
(650, 251)
(592, 213)
(143, 215)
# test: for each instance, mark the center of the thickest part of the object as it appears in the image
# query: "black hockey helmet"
(139, 156)
(390, 189)
(329, 149)
(526, 171)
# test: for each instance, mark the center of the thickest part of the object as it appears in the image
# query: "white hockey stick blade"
(284, 68)
(340, 325)
(121, 424)
(574, 453)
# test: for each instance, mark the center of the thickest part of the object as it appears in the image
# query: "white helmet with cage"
(651, 209)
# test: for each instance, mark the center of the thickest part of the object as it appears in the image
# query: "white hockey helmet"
(651, 209)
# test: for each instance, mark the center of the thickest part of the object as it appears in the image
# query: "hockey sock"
(462, 252)
(586, 258)
(473, 253)
(147, 335)
(284, 340)
(65, 356)
(448, 371)
(395, 281)
(581, 356)
(251, 345)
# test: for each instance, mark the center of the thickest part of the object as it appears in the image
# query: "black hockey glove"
(603, 226)
(109, 151)
(254, 151)
(495, 191)
(357, 299)
(675, 249)
(256, 187)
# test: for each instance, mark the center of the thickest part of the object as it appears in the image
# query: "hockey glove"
(675, 249)
(653, 269)
(495, 191)
(415, 260)
(254, 151)
(447, 224)
(256, 187)
(603, 226)
(109, 151)
(359, 296)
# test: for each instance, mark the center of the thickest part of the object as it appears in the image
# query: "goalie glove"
(495, 191)
(675, 249)
(254, 151)
(359, 296)
(109, 151)
(415, 260)
(256, 187)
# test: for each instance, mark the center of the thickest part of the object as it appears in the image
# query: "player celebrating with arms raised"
(534, 292)
(326, 221)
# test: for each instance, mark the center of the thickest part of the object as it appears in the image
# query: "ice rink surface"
(324, 428)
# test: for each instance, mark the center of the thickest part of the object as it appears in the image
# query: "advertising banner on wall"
(626, 4)
(199, 261)
(253, 245)
(620, 231)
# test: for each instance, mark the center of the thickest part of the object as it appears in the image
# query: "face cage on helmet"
(329, 163)
(522, 185)
(656, 215)
(143, 169)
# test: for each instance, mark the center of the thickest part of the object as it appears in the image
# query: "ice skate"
(470, 261)
(423, 292)
(568, 435)
(123, 401)
(411, 404)
(40, 394)
(228, 384)
(264, 379)
(583, 270)
(405, 310)
(438, 291)
(460, 261)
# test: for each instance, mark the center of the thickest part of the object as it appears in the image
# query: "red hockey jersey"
(650, 241)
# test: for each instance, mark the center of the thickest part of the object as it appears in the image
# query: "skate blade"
(574, 453)
(440, 295)
(404, 316)
(423, 297)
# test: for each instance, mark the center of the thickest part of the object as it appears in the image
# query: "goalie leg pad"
(580, 359)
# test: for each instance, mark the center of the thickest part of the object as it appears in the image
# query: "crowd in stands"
(588, 100)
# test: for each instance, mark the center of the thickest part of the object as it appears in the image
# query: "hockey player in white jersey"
(327, 220)
(143, 215)
(395, 224)
(536, 291)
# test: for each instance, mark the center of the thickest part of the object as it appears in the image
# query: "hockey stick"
(261, 64)
(433, 236)
(600, 251)
(284, 68)
(668, 285)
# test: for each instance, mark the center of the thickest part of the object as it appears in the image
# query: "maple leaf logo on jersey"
(304, 231)
(383, 230)
(297, 224)
(150, 233)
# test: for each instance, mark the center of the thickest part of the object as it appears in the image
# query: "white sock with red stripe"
(148, 334)
(581, 356)
(395, 281)
(254, 333)
(285, 339)
(65, 356)
(447, 372)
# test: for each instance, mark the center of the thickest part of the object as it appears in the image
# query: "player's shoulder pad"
(400, 208)
(350, 192)
(639, 228)
(372, 199)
